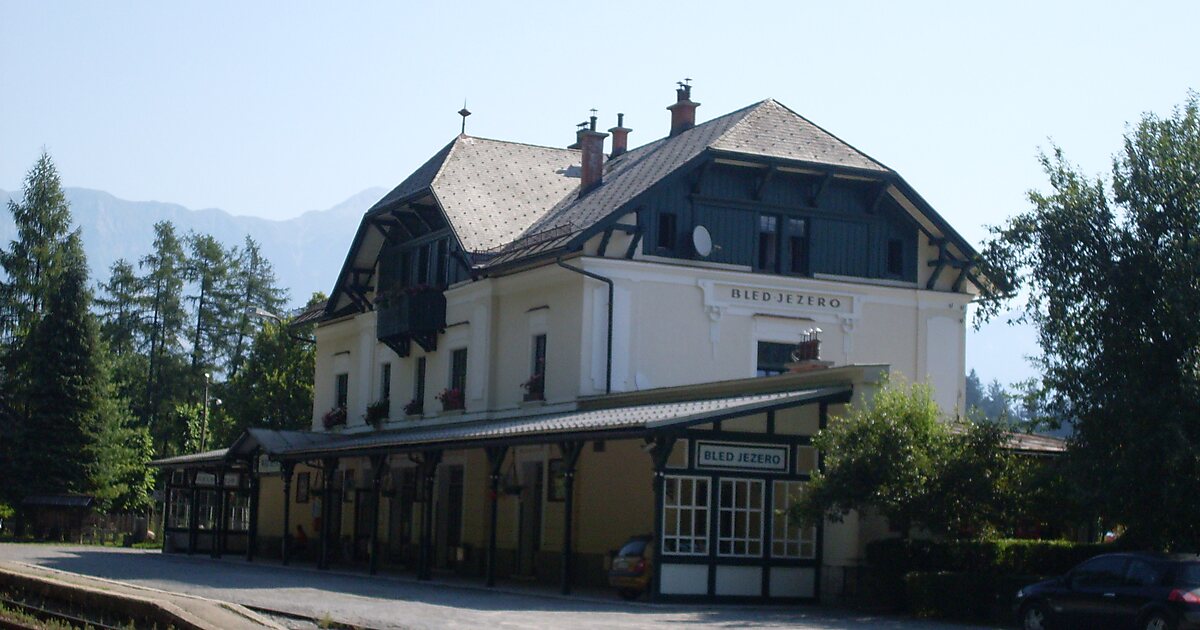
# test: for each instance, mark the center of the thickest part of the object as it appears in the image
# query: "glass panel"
(740, 517)
(768, 242)
(788, 538)
(685, 515)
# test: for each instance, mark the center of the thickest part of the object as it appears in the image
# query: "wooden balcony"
(408, 315)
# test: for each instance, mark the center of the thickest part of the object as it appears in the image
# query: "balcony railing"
(414, 314)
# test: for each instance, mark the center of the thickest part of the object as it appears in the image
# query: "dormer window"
(768, 243)
(667, 227)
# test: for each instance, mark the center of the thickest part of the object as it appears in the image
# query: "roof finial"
(464, 112)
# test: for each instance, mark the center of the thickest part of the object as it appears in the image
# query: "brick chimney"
(592, 144)
(683, 112)
(620, 134)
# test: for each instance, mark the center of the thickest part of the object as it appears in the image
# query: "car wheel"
(629, 594)
(1157, 621)
(1033, 617)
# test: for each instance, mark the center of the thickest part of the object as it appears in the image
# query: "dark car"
(1119, 590)
(631, 567)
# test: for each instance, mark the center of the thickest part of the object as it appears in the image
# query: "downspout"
(609, 282)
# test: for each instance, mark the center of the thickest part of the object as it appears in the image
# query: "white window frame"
(742, 513)
(677, 509)
(788, 538)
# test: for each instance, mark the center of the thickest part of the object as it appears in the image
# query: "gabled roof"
(490, 190)
(516, 201)
(765, 129)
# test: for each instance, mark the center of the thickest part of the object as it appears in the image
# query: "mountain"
(307, 251)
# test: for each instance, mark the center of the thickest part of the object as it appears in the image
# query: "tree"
(897, 457)
(213, 301)
(275, 387)
(163, 282)
(121, 306)
(60, 380)
(43, 222)
(1108, 273)
(256, 289)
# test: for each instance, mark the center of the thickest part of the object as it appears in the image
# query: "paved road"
(397, 602)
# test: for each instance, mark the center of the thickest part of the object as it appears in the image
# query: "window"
(419, 382)
(685, 516)
(238, 519)
(557, 489)
(347, 485)
(740, 518)
(788, 538)
(667, 227)
(385, 381)
(773, 357)
(180, 509)
(1100, 572)
(206, 509)
(535, 387)
(423, 265)
(1144, 573)
(441, 262)
(343, 390)
(539, 354)
(302, 481)
(895, 257)
(458, 370)
(768, 243)
(797, 234)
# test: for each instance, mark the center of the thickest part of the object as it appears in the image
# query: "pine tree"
(214, 304)
(62, 381)
(121, 305)
(43, 221)
(256, 288)
(163, 280)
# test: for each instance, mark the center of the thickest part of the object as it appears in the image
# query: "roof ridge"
(523, 144)
(445, 160)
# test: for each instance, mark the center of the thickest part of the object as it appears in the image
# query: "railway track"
(44, 613)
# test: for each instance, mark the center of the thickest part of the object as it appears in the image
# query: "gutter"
(609, 282)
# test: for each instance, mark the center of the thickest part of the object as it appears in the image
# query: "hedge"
(963, 596)
(988, 557)
(904, 574)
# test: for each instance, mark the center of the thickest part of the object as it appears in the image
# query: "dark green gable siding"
(848, 233)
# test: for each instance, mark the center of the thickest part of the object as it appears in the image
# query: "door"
(400, 522)
(1091, 599)
(364, 512)
(449, 516)
(529, 524)
(1143, 583)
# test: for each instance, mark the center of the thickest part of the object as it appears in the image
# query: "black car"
(1119, 590)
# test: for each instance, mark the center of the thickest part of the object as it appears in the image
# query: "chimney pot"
(683, 112)
(620, 134)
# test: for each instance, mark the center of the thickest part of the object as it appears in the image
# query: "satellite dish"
(702, 241)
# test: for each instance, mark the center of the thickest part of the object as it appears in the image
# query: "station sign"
(740, 456)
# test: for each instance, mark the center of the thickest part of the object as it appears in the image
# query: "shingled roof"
(490, 190)
(516, 201)
(765, 129)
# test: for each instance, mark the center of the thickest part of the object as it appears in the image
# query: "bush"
(899, 570)
(989, 557)
(963, 596)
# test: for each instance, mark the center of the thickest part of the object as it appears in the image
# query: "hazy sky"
(272, 109)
